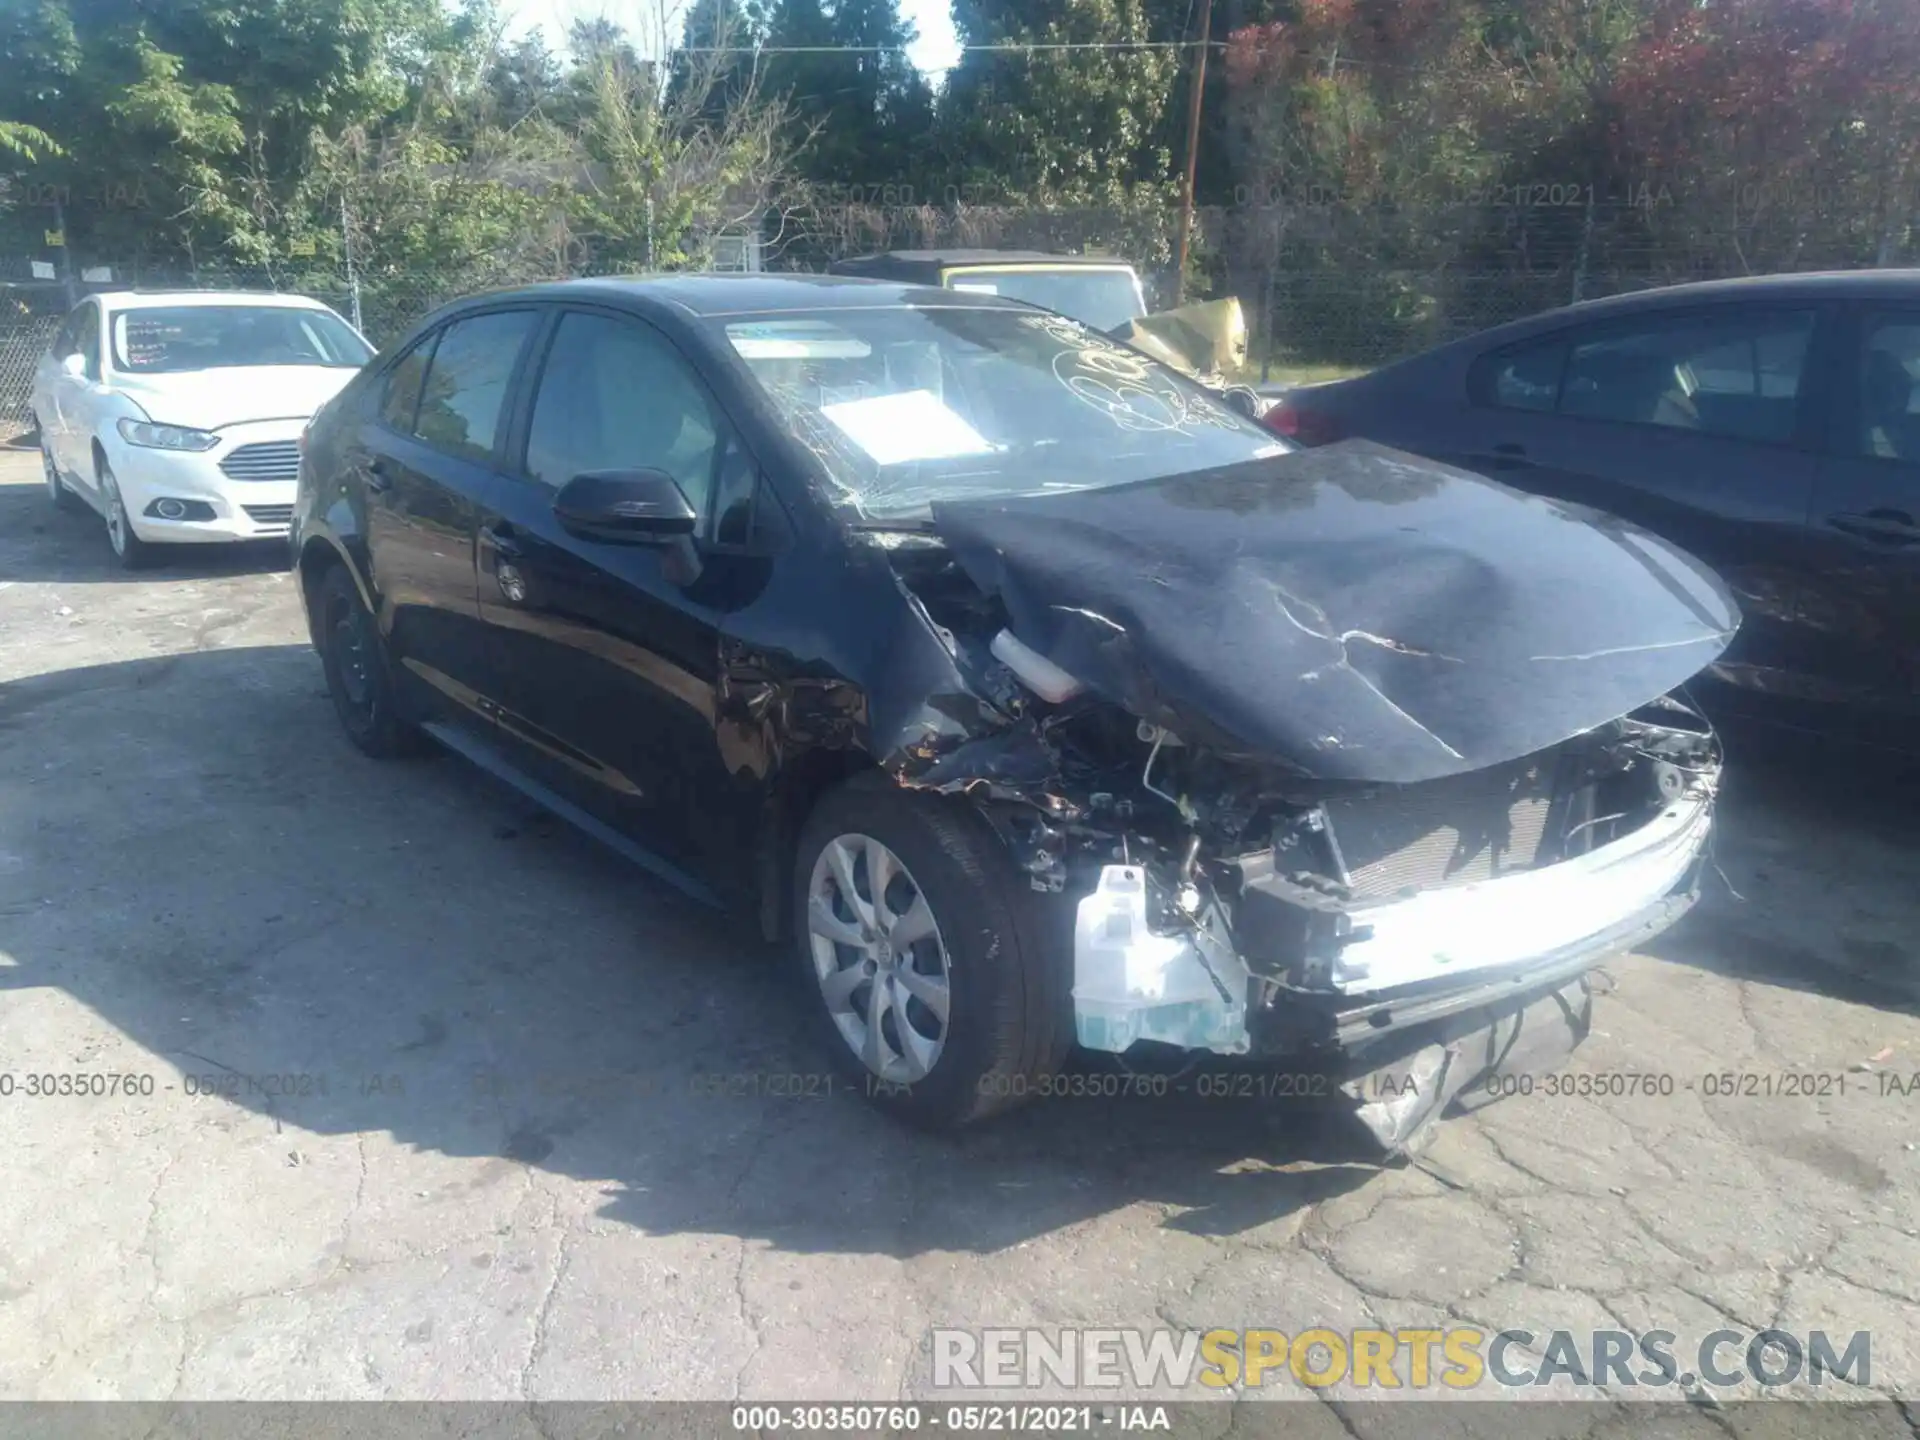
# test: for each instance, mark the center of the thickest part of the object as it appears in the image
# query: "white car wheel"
(57, 492)
(128, 548)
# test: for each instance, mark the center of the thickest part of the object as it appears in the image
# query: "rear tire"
(358, 678)
(952, 905)
(57, 492)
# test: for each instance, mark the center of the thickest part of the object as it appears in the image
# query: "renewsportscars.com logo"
(1458, 1358)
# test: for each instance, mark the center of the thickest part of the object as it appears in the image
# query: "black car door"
(1863, 596)
(1701, 426)
(607, 653)
(422, 457)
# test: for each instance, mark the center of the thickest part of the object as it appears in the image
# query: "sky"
(936, 50)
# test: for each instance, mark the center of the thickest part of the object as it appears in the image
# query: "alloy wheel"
(882, 966)
(118, 530)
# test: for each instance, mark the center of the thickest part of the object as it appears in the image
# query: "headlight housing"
(166, 437)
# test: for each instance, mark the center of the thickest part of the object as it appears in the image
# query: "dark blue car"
(1770, 426)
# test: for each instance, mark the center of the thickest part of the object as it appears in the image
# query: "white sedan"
(177, 416)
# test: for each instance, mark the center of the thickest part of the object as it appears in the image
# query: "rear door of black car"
(422, 457)
(1700, 425)
(607, 654)
(1863, 596)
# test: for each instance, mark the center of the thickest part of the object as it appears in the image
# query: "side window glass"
(1735, 375)
(735, 488)
(1889, 389)
(400, 396)
(466, 384)
(616, 396)
(1523, 379)
(89, 338)
(772, 526)
(66, 341)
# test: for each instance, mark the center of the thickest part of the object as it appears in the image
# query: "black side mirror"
(641, 506)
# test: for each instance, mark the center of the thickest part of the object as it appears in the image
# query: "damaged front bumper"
(1429, 993)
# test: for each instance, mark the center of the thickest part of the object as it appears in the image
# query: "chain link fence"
(1327, 288)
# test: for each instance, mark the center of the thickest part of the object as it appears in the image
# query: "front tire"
(129, 550)
(942, 990)
(358, 680)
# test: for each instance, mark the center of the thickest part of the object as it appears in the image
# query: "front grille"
(267, 460)
(1478, 826)
(269, 514)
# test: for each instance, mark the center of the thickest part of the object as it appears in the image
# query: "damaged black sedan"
(1034, 696)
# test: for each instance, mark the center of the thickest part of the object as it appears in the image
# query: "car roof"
(1802, 288)
(706, 294)
(150, 299)
(948, 259)
(1806, 285)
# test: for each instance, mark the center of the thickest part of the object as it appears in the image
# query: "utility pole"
(1193, 153)
(353, 275)
(66, 251)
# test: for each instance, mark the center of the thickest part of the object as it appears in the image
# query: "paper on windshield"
(911, 425)
(795, 340)
(979, 287)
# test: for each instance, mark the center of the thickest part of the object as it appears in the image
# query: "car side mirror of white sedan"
(74, 365)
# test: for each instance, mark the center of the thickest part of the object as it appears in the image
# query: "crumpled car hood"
(1350, 612)
(1207, 340)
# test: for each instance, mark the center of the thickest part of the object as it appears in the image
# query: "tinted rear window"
(1734, 374)
(1524, 378)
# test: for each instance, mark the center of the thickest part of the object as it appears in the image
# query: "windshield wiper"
(904, 525)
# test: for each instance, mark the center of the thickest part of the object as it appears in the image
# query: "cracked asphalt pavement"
(519, 1141)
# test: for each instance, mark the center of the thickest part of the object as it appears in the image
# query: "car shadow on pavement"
(42, 543)
(190, 849)
(1811, 888)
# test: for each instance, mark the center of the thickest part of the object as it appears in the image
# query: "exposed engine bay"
(1272, 873)
(1285, 903)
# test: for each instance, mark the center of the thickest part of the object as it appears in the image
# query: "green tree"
(666, 168)
(715, 56)
(863, 114)
(207, 110)
(1086, 124)
(26, 142)
(522, 81)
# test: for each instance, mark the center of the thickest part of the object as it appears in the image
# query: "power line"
(1018, 47)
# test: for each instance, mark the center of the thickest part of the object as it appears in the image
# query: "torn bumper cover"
(1400, 1100)
(1503, 987)
(1474, 950)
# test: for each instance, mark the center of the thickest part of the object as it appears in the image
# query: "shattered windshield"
(906, 406)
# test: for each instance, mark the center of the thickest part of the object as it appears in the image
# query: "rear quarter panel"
(1418, 404)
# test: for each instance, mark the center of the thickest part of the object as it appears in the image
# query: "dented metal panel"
(1207, 340)
(1350, 612)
